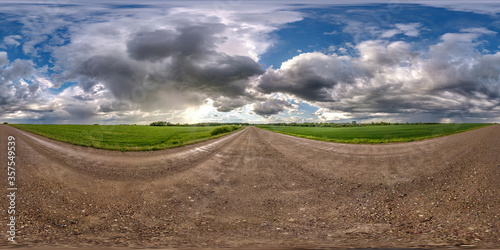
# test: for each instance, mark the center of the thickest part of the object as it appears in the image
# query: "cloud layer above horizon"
(238, 61)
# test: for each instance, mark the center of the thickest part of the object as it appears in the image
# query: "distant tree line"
(205, 124)
(305, 124)
(160, 123)
(352, 124)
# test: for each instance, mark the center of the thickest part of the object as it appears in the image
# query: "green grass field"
(375, 134)
(122, 137)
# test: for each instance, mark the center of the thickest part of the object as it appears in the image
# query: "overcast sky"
(121, 62)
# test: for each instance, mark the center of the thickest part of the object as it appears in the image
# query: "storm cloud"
(310, 76)
(180, 65)
(193, 61)
(226, 104)
(270, 107)
(191, 40)
(13, 89)
(4, 59)
(391, 78)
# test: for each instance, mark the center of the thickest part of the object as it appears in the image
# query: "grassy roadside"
(375, 134)
(124, 137)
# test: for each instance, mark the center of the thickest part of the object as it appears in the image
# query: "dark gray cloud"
(389, 79)
(305, 84)
(310, 76)
(193, 40)
(193, 61)
(17, 70)
(162, 67)
(178, 58)
(11, 89)
(80, 112)
(219, 74)
(152, 46)
(226, 104)
(171, 62)
(83, 97)
(118, 73)
(4, 59)
(270, 107)
(113, 106)
(20, 93)
(158, 71)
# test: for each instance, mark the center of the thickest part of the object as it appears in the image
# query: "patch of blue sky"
(60, 38)
(10, 24)
(15, 53)
(11, 28)
(64, 86)
(306, 110)
(297, 38)
(339, 26)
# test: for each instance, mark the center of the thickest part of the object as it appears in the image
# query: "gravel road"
(256, 188)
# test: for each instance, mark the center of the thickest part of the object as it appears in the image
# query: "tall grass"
(224, 129)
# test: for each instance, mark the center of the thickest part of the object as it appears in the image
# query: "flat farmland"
(122, 137)
(374, 134)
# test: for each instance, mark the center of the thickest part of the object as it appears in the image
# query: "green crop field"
(374, 134)
(123, 137)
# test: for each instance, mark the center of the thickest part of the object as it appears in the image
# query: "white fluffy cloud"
(4, 59)
(390, 78)
(150, 61)
(409, 29)
(190, 64)
(16, 94)
(12, 40)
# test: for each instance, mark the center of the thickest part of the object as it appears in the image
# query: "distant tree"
(159, 123)
(5, 123)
